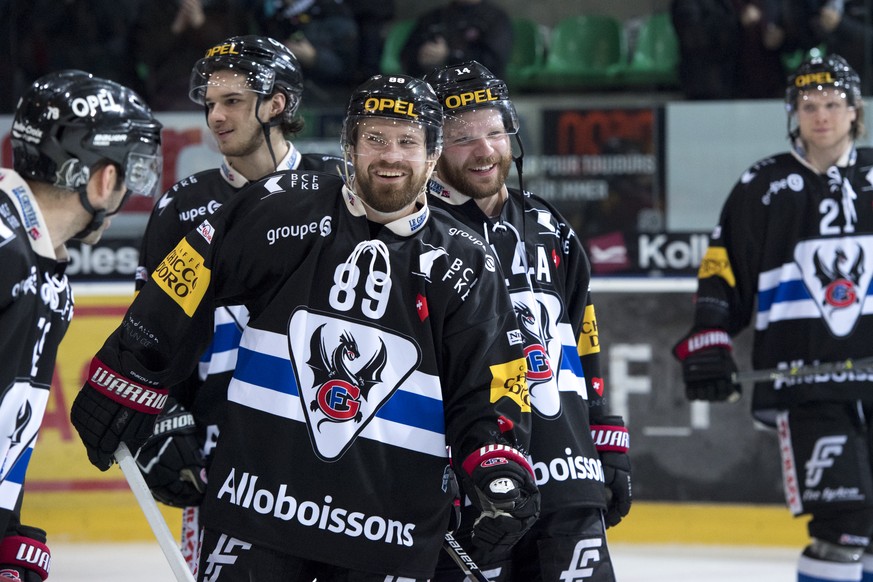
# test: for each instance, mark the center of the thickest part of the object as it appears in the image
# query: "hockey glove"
(172, 460)
(110, 409)
(23, 554)
(708, 365)
(500, 483)
(612, 442)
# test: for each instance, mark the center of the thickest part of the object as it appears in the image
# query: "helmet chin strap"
(97, 216)
(266, 127)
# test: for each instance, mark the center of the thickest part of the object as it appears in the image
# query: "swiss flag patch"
(421, 307)
(597, 384)
(556, 258)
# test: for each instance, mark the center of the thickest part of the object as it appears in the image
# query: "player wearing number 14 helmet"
(792, 254)
(378, 335)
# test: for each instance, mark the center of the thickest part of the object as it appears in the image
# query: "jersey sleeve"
(727, 278)
(486, 399)
(162, 233)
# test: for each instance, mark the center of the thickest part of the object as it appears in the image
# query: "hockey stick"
(797, 371)
(152, 513)
(463, 559)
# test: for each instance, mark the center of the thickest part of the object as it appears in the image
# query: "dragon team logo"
(837, 273)
(346, 371)
(537, 317)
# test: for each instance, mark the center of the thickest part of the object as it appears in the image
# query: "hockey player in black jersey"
(250, 88)
(81, 145)
(793, 253)
(547, 274)
(377, 337)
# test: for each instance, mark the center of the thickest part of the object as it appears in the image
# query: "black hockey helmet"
(399, 98)
(70, 120)
(819, 73)
(265, 64)
(469, 86)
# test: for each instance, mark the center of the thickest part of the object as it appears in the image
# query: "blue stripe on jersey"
(414, 409)
(570, 360)
(16, 474)
(786, 291)
(227, 337)
(277, 374)
(265, 371)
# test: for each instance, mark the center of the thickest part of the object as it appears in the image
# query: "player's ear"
(277, 104)
(105, 182)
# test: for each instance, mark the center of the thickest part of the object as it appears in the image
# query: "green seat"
(528, 52)
(655, 60)
(584, 52)
(399, 31)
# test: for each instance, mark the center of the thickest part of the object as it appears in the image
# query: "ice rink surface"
(144, 562)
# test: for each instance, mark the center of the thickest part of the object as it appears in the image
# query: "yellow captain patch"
(183, 276)
(715, 263)
(589, 339)
(510, 380)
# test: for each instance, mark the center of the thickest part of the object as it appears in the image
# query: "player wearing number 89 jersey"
(377, 336)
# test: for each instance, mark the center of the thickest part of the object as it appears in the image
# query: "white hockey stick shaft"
(152, 513)
(463, 559)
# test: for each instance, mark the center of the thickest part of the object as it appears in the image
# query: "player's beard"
(469, 184)
(392, 197)
(244, 143)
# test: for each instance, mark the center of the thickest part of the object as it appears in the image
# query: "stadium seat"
(655, 59)
(528, 52)
(394, 41)
(584, 51)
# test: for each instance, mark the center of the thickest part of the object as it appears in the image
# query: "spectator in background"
(168, 37)
(51, 35)
(323, 35)
(728, 48)
(846, 30)
(462, 30)
(373, 18)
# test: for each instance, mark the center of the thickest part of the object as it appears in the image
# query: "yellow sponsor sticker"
(510, 380)
(589, 339)
(462, 99)
(183, 276)
(715, 263)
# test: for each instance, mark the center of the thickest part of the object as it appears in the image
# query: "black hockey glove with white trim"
(500, 483)
(708, 365)
(612, 442)
(110, 409)
(24, 556)
(172, 460)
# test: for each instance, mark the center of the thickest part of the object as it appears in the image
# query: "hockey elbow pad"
(708, 365)
(501, 484)
(24, 555)
(171, 460)
(612, 442)
(111, 409)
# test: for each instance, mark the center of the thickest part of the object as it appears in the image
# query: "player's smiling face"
(391, 163)
(231, 114)
(477, 153)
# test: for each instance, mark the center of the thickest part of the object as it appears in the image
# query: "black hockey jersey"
(547, 274)
(36, 306)
(793, 252)
(364, 357)
(177, 212)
